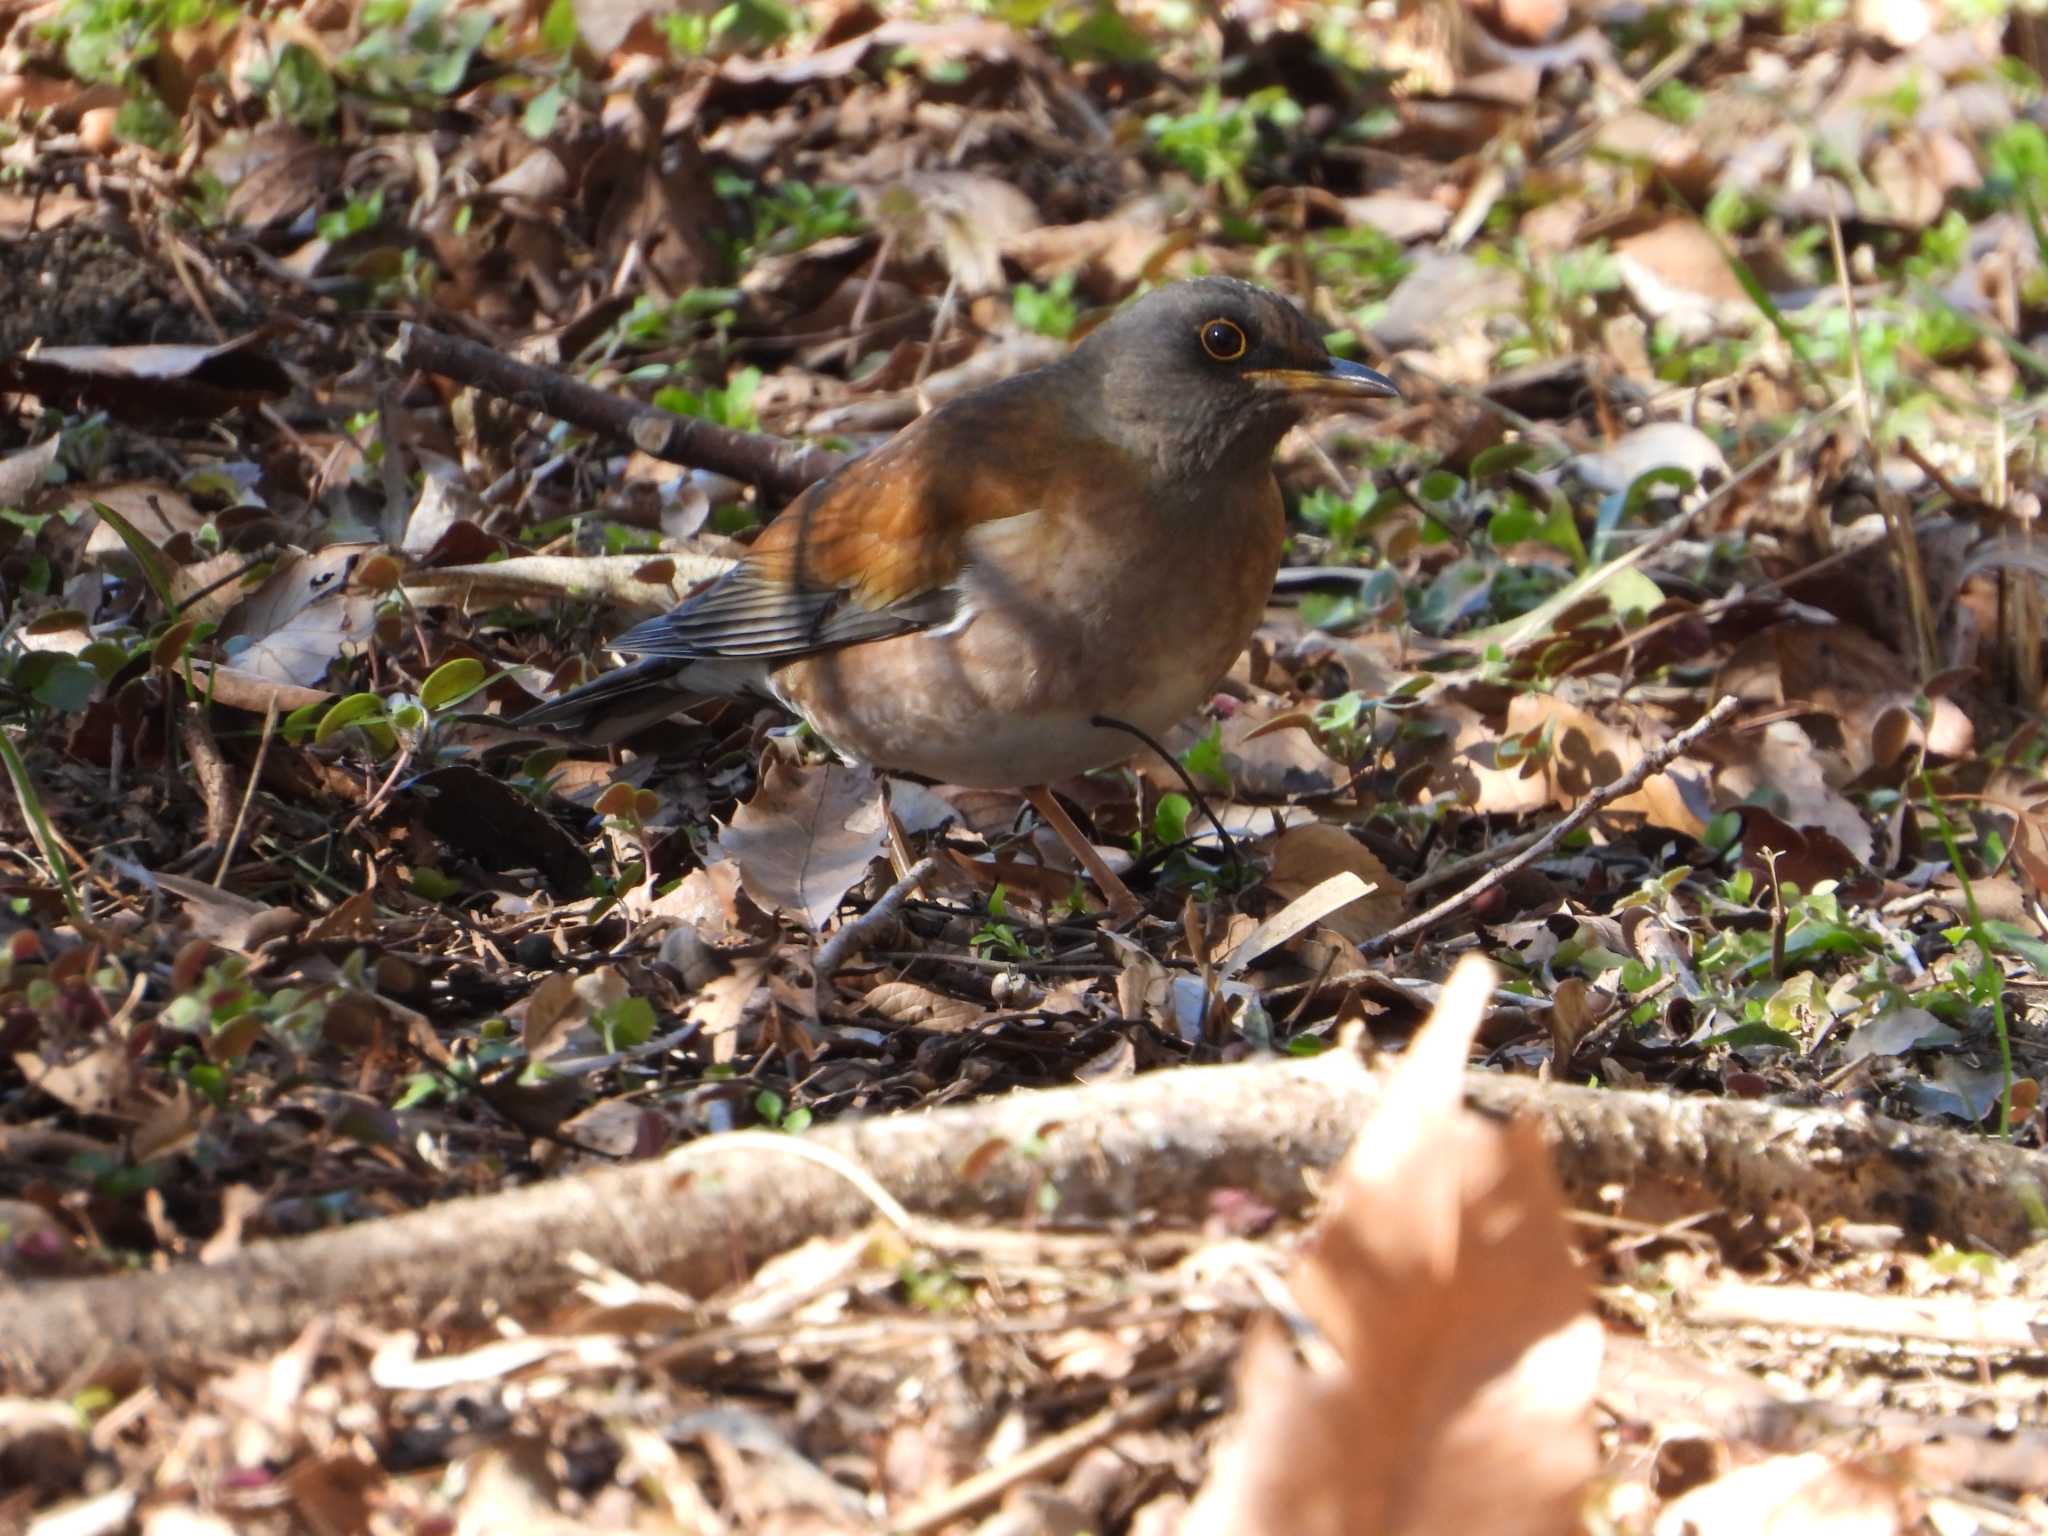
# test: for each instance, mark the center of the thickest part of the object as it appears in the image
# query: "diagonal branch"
(1651, 762)
(776, 465)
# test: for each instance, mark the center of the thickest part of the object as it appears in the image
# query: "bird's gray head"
(1208, 375)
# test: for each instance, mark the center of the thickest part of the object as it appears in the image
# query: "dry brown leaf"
(22, 472)
(1675, 267)
(223, 918)
(1782, 769)
(1461, 1358)
(243, 690)
(705, 899)
(721, 1004)
(1305, 856)
(1585, 753)
(1841, 671)
(152, 383)
(806, 838)
(905, 1002)
(99, 1082)
(302, 617)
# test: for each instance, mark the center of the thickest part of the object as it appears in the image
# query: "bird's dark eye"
(1223, 340)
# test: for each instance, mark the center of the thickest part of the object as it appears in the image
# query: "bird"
(995, 594)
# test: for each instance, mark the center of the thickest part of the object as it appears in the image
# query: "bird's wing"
(878, 549)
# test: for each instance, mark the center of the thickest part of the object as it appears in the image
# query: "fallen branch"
(775, 464)
(1155, 1147)
(856, 935)
(1651, 763)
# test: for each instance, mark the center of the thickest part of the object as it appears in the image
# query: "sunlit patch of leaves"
(1217, 141)
(742, 26)
(787, 215)
(1048, 311)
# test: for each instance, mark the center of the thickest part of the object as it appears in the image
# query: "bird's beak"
(1337, 379)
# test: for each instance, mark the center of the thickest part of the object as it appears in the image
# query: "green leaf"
(1439, 485)
(31, 804)
(156, 570)
(1204, 760)
(1630, 593)
(1722, 832)
(626, 1023)
(433, 885)
(301, 722)
(1493, 462)
(1170, 819)
(353, 710)
(538, 120)
(62, 682)
(2018, 941)
(1754, 1034)
(420, 1088)
(558, 26)
(452, 682)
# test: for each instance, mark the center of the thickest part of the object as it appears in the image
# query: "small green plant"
(996, 937)
(1559, 297)
(625, 1023)
(1048, 311)
(1215, 143)
(1345, 520)
(385, 722)
(775, 1112)
(1204, 760)
(227, 1014)
(787, 216)
(730, 404)
(1357, 266)
(31, 803)
(1985, 979)
(745, 26)
(1677, 102)
(654, 322)
(354, 217)
(110, 42)
(1170, 820)
(1348, 724)
(415, 48)
(298, 86)
(933, 1287)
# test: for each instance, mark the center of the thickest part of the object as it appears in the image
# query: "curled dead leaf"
(1451, 1376)
(807, 837)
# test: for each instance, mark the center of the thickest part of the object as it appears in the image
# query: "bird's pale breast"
(1070, 613)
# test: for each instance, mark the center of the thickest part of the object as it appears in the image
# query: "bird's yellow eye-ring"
(1223, 340)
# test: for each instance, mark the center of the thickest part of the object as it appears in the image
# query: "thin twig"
(853, 937)
(227, 854)
(1035, 1461)
(1651, 762)
(210, 771)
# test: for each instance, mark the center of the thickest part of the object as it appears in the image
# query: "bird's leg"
(1123, 906)
(897, 842)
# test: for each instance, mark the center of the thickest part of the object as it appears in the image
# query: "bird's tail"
(612, 707)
